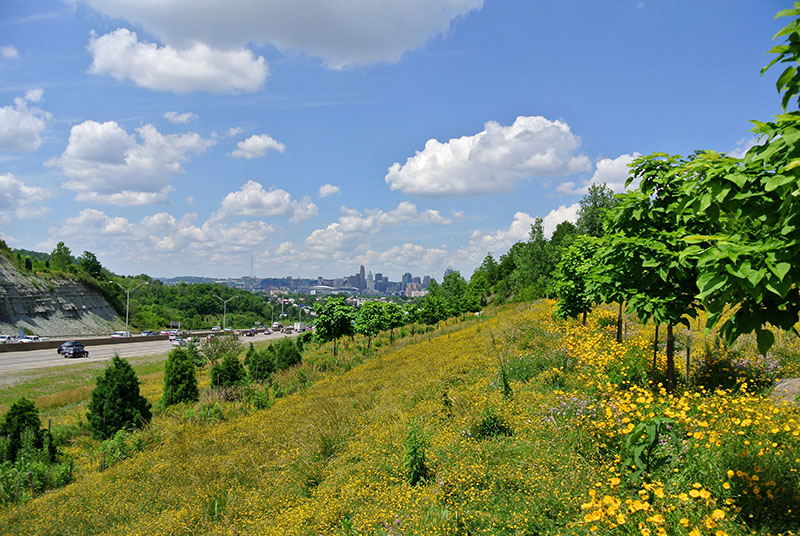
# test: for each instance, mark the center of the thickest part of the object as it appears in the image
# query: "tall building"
(370, 281)
(406, 279)
(362, 280)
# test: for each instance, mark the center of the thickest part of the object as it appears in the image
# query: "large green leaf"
(765, 340)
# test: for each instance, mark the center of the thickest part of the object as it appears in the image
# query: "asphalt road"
(22, 361)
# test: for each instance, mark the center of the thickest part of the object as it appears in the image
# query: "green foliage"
(394, 318)
(371, 320)
(228, 373)
(180, 380)
(216, 348)
(286, 354)
(491, 425)
(23, 417)
(61, 257)
(334, 320)
(789, 80)
(593, 207)
(415, 465)
(572, 277)
(648, 447)
(115, 402)
(89, 264)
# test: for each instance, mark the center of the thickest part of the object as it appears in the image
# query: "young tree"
(535, 263)
(61, 257)
(227, 373)
(453, 290)
(180, 380)
(394, 318)
(22, 416)
(572, 278)
(115, 402)
(371, 320)
(287, 354)
(260, 363)
(334, 320)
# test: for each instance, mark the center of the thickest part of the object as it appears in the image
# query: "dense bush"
(228, 373)
(115, 402)
(216, 348)
(23, 417)
(260, 363)
(180, 381)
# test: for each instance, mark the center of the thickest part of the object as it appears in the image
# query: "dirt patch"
(786, 390)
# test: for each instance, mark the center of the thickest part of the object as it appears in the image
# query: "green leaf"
(765, 341)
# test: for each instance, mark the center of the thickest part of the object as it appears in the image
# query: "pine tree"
(115, 402)
(180, 381)
(23, 416)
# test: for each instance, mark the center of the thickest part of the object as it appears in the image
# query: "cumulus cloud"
(558, 215)
(742, 146)
(341, 32)
(181, 70)
(613, 172)
(163, 233)
(21, 125)
(9, 52)
(492, 161)
(353, 225)
(253, 200)
(106, 164)
(328, 190)
(175, 117)
(20, 200)
(257, 146)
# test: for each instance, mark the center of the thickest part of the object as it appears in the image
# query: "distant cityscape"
(362, 282)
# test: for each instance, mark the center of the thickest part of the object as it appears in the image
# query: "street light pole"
(224, 308)
(127, 301)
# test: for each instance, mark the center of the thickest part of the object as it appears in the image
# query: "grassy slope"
(329, 460)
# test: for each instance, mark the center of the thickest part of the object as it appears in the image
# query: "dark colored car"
(73, 349)
(249, 333)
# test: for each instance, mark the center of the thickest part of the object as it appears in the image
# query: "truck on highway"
(299, 327)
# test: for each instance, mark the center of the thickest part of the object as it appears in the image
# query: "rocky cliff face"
(51, 307)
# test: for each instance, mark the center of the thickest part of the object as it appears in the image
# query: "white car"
(120, 334)
(177, 341)
(6, 338)
(29, 338)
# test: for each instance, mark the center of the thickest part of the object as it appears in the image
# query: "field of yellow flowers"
(522, 424)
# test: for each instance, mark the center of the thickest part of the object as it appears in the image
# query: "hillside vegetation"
(514, 424)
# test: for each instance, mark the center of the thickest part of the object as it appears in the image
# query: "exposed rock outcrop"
(51, 307)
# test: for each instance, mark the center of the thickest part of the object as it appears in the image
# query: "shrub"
(228, 373)
(180, 381)
(218, 347)
(490, 425)
(414, 464)
(115, 402)
(260, 364)
(286, 354)
(21, 418)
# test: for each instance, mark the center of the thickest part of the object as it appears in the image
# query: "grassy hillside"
(517, 424)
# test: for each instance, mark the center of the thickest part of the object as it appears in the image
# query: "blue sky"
(182, 138)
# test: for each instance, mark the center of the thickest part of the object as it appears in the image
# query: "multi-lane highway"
(21, 361)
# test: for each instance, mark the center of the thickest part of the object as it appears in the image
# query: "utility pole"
(224, 308)
(127, 301)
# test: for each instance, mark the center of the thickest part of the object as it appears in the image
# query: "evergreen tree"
(180, 381)
(228, 373)
(115, 403)
(23, 416)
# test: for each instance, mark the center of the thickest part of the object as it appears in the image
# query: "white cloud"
(257, 146)
(162, 234)
(195, 68)
(21, 125)
(327, 190)
(253, 200)
(742, 146)
(106, 164)
(175, 117)
(492, 161)
(612, 172)
(20, 200)
(558, 215)
(234, 131)
(9, 52)
(341, 32)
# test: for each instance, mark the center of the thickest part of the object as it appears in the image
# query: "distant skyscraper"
(406, 279)
(448, 271)
(370, 281)
(362, 280)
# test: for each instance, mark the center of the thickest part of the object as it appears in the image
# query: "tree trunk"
(583, 322)
(334, 347)
(670, 359)
(655, 356)
(688, 353)
(391, 336)
(619, 324)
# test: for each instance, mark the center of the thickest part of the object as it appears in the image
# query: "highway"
(22, 361)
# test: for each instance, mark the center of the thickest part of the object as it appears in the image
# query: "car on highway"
(249, 332)
(215, 328)
(148, 333)
(29, 338)
(120, 334)
(6, 338)
(73, 349)
(177, 341)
